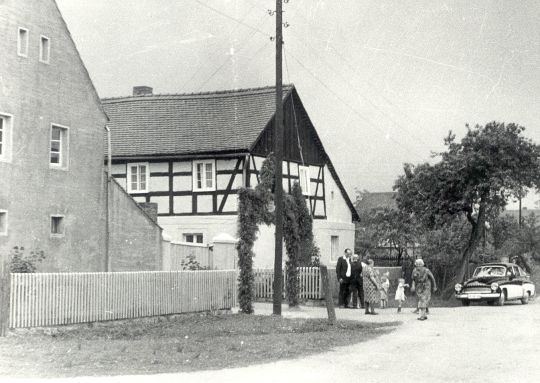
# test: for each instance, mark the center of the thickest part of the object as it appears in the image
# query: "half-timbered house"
(190, 153)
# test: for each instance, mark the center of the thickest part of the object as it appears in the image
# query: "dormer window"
(44, 50)
(22, 42)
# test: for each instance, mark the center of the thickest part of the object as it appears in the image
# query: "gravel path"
(461, 344)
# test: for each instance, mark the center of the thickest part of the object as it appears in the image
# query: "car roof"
(506, 264)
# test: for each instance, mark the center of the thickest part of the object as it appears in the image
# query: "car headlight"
(494, 286)
(458, 287)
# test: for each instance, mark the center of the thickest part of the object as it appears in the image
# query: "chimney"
(142, 90)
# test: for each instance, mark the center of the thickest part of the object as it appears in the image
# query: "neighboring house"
(190, 153)
(53, 189)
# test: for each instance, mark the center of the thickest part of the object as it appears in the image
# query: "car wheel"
(491, 303)
(465, 302)
(525, 299)
(502, 299)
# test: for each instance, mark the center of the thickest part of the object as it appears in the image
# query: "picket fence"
(66, 298)
(310, 283)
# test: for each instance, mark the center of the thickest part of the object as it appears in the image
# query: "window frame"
(41, 38)
(7, 137)
(63, 163)
(304, 170)
(194, 176)
(19, 41)
(63, 223)
(4, 233)
(129, 174)
(194, 235)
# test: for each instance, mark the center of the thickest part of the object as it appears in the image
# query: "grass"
(174, 344)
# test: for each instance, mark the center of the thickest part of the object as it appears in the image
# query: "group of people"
(360, 282)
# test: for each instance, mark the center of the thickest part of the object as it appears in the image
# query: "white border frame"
(19, 53)
(128, 177)
(194, 175)
(41, 38)
(60, 166)
(5, 232)
(6, 155)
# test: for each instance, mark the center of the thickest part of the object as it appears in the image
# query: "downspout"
(107, 203)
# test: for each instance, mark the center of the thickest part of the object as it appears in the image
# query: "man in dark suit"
(344, 273)
(356, 286)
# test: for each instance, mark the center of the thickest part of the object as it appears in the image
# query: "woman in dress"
(423, 281)
(371, 288)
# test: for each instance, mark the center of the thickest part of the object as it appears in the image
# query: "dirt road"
(462, 344)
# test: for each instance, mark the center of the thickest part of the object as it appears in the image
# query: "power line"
(233, 18)
(345, 103)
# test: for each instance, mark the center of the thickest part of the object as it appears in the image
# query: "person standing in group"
(343, 273)
(371, 288)
(385, 286)
(400, 293)
(423, 282)
(356, 280)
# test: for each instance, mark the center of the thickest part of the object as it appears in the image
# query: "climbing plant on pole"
(253, 210)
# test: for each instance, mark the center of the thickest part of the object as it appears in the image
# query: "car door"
(515, 287)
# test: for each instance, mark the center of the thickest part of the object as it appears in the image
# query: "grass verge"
(174, 344)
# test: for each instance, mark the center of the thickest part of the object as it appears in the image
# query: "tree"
(474, 178)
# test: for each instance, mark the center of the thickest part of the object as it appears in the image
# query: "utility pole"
(278, 152)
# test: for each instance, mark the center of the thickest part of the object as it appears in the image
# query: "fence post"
(5, 285)
(328, 294)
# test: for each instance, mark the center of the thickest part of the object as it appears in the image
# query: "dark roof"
(380, 200)
(178, 124)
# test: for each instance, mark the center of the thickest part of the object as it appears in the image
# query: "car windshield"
(490, 271)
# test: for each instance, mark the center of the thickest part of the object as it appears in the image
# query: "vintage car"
(496, 283)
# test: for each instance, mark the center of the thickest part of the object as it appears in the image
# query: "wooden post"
(278, 152)
(5, 286)
(327, 289)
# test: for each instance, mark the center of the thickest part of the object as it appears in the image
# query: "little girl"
(400, 293)
(384, 290)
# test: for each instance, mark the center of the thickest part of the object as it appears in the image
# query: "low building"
(190, 154)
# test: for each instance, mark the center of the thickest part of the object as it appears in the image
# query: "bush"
(22, 263)
(191, 263)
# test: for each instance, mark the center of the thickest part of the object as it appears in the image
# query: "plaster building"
(54, 193)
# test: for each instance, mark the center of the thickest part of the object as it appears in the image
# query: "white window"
(22, 42)
(5, 137)
(59, 153)
(334, 247)
(44, 49)
(305, 181)
(138, 176)
(204, 175)
(193, 237)
(3, 222)
(57, 226)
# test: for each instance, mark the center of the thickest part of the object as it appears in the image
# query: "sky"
(383, 81)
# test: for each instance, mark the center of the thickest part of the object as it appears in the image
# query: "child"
(384, 290)
(400, 293)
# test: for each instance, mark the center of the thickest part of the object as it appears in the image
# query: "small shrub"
(22, 263)
(191, 263)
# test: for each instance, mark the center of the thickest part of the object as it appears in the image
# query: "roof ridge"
(203, 94)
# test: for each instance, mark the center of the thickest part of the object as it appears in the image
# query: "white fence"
(65, 298)
(310, 283)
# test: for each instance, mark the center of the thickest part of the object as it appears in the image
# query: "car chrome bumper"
(478, 296)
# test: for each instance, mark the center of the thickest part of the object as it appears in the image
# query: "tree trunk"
(477, 233)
